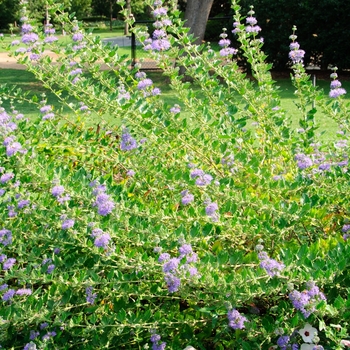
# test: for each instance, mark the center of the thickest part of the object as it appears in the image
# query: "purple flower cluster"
(130, 173)
(296, 55)
(6, 127)
(6, 124)
(24, 291)
(202, 179)
(345, 229)
(211, 210)
(175, 109)
(156, 345)
(49, 31)
(6, 177)
(283, 343)
(101, 238)
(159, 40)
(90, 296)
(23, 203)
(123, 94)
(33, 334)
(251, 22)
(235, 319)
(271, 266)
(146, 85)
(10, 293)
(307, 300)
(336, 89)
(48, 335)
(57, 191)
(7, 265)
(46, 111)
(75, 73)
(26, 28)
(30, 346)
(67, 224)
(128, 142)
(187, 197)
(5, 237)
(181, 266)
(303, 161)
(236, 28)
(12, 147)
(252, 27)
(225, 43)
(229, 162)
(50, 268)
(103, 202)
(77, 37)
(29, 38)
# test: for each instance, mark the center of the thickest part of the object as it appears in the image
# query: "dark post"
(133, 49)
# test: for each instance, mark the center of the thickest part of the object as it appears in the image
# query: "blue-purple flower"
(90, 296)
(211, 210)
(336, 89)
(6, 177)
(187, 197)
(307, 300)
(8, 263)
(334, 93)
(145, 83)
(303, 161)
(5, 237)
(24, 291)
(128, 142)
(104, 204)
(30, 346)
(175, 109)
(8, 295)
(271, 266)
(296, 54)
(78, 37)
(156, 345)
(50, 268)
(236, 320)
(202, 179)
(67, 224)
(177, 267)
(101, 241)
(29, 38)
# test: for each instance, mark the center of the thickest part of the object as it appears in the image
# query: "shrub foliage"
(130, 223)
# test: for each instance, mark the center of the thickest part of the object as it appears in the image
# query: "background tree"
(82, 8)
(323, 27)
(196, 17)
(8, 12)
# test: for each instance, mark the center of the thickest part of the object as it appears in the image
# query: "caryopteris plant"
(128, 223)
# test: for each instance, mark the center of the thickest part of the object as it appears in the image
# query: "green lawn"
(66, 39)
(27, 82)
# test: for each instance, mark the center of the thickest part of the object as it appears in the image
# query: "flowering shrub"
(210, 223)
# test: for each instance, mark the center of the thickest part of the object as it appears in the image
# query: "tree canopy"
(323, 25)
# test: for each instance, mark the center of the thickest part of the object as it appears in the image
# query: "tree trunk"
(196, 16)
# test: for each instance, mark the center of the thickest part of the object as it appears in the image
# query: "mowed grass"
(27, 82)
(64, 40)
